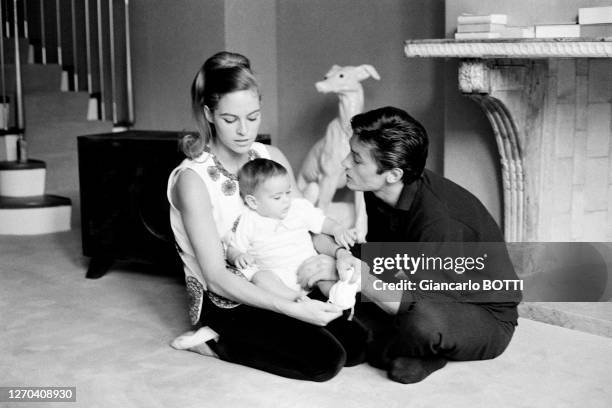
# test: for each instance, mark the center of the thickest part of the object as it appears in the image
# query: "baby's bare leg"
(325, 286)
(269, 281)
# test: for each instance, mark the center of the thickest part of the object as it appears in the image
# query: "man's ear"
(208, 114)
(251, 202)
(394, 175)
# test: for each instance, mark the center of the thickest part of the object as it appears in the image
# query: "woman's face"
(361, 168)
(236, 120)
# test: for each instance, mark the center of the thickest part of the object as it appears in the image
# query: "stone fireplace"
(549, 103)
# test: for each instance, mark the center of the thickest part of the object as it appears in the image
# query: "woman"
(256, 328)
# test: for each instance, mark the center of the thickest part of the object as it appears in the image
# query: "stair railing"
(128, 66)
(2, 73)
(113, 68)
(75, 59)
(43, 35)
(58, 33)
(20, 118)
(101, 61)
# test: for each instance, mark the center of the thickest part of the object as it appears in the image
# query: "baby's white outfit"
(279, 246)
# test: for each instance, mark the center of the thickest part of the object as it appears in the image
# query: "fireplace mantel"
(511, 48)
(527, 89)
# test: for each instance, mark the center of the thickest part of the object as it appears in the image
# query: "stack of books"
(595, 22)
(476, 27)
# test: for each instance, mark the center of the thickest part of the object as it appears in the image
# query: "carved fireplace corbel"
(509, 94)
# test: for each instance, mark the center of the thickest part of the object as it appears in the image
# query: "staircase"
(52, 95)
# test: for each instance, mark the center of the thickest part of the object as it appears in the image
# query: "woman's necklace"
(230, 184)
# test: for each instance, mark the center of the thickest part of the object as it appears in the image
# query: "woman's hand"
(316, 268)
(313, 311)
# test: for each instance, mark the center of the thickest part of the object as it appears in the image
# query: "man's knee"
(418, 332)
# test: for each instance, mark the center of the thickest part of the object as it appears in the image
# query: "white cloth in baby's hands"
(342, 293)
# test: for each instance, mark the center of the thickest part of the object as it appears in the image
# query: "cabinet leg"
(98, 266)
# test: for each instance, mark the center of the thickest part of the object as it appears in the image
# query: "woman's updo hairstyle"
(223, 73)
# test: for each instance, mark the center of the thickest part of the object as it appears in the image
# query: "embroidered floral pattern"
(220, 301)
(229, 186)
(235, 225)
(194, 294)
(213, 172)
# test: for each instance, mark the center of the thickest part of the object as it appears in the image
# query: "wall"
(470, 154)
(313, 35)
(170, 41)
(251, 30)
(291, 44)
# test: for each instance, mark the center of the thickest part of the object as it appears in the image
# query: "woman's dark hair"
(397, 140)
(223, 73)
(255, 172)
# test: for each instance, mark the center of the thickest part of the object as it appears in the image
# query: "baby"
(271, 239)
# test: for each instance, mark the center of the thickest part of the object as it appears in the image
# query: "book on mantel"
(480, 28)
(595, 15)
(557, 31)
(476, 36)
(482, 19)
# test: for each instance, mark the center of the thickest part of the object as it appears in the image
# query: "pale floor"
(109, 338)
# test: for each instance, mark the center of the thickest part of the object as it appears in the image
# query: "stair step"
(9, 50)
(41, 201)
(50, 107)
(57, 137)
(34, 215)
(34, 78)
(19, 179)
(589, 317)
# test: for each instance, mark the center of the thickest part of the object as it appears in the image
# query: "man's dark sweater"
(434, 209)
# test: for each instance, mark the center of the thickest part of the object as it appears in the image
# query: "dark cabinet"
(124, 210)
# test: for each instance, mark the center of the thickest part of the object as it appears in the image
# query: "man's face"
(361, 168)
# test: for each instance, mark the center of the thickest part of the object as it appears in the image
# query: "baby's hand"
(345, 237)
(302, 296)
(243, 261)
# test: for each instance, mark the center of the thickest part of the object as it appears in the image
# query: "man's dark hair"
(255, 172)
(397, 140)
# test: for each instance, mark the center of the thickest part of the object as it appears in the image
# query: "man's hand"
(316, 268)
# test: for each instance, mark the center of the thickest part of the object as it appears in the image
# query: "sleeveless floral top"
(226, 203)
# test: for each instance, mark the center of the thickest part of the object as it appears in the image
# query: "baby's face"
(273, 197)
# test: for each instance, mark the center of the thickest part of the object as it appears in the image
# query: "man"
(415, 334)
